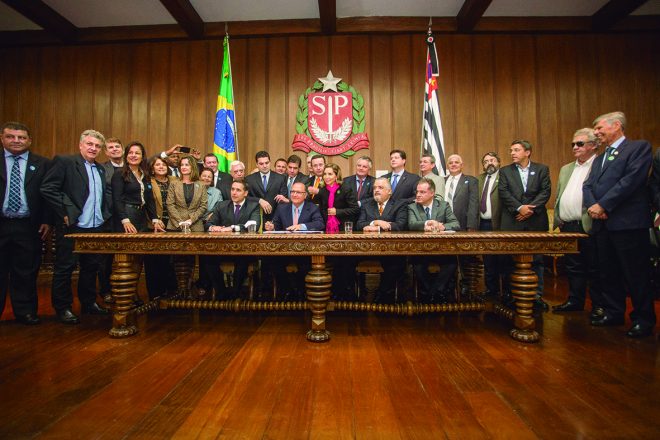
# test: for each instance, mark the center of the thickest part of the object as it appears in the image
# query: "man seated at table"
(231, 216)
(429, 214)
(297, 215)
(381, 213)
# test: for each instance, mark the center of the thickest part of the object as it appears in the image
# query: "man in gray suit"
(524, 189)
(571, 216)
(114, 151)
(431, 215)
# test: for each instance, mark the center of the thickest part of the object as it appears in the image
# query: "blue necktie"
(608, 153)
(395, 178)
(428, 213)
(237, 212)
(265, 183)
(14, 202)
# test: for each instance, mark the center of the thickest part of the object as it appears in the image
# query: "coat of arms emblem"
(330, 119)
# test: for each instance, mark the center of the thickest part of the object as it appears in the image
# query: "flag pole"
(232, 93)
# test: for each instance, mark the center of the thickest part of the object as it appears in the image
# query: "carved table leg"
(183, 275)
(124, 280)
(523, 287)
(318, 282)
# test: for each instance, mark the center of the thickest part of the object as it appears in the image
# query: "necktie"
(215, 179)
(14, 202)
(263, 176)
(317, 182)
(395, 178)
(360, 189)
(289, 185)
(523, 178)
(295, 216)
(428, 213)
(237, 211)
(484, 195)
(176, 172)
(608, 153)
(380, 209)
(450, 194)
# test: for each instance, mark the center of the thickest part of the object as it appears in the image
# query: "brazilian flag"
(224, 138)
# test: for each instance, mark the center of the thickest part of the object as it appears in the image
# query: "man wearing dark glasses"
(571, 216)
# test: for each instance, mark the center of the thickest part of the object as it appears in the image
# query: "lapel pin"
(531, 173)
(32, 168)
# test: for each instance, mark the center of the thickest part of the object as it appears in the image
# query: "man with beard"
(489, 218)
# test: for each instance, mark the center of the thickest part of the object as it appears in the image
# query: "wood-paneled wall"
(493, 89)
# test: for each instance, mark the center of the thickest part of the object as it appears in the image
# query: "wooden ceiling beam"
(613, 12)
(328, 15)
(186, 15)
(50, 20)
(470, 14)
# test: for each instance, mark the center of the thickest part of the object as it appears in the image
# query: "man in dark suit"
(232, 216)
(315, 180)
(490, 211)
(268, 186)
(299, 215)
(293, 174)
(524, 189)
(361, 183)
(380, 213)
(403, 183)
(432, 215)
(617, 199)
(76, 189)
(24, 221)
(461, 192)
(220, 178)
(236, 174)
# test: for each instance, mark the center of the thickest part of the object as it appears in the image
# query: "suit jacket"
(406, 186)
(109, 171)
(223, 214)
(179, 210)
(564, 177)
(441, 211)
(311, 197)
(276, 185)
(310, 216)
(465, 204)
(35, 171)
(395, 212)
(300, 178)
(66, 188)
(654, 181)
(224, 184)
(158, 198)
(345, 204)
(512, 196)
(620, 187)
(367, 188)
(495, 205)
(124, 192)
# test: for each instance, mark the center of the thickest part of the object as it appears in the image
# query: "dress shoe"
(568, 306)
(94, 309)
(639, 331)
(66, 316)
(596, 313)
(108, 299)
(28, 319)
(607, 321)
(539, 304)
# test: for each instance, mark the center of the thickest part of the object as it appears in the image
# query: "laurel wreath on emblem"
(341, 132)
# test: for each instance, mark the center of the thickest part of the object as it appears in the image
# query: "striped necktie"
(14, 202)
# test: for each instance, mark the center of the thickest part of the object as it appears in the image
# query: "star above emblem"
(329, 82)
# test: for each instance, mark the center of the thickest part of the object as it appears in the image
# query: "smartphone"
(184, 149)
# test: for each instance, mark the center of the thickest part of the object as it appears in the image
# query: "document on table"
(293, 232)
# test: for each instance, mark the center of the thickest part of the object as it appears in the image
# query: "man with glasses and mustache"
(571, 216)
(489, 218)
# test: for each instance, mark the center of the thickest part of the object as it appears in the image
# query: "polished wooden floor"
(221, 375)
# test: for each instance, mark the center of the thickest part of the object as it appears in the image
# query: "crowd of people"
(605, 193)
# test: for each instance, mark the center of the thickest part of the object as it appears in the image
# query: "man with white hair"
(616, 197)
(571, 216)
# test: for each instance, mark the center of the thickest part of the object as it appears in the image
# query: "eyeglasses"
(579, 144)
(298, 192)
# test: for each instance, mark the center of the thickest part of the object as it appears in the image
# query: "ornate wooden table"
(128, 247)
